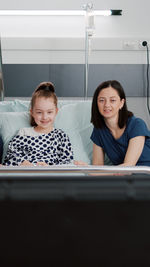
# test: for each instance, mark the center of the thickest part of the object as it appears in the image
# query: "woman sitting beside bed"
(117, 132)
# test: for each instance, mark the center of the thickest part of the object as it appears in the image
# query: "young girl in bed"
(117, 132)
(40, 144)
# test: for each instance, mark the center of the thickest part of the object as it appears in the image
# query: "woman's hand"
(80, 163)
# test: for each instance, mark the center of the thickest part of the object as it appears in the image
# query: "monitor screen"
(75, 220)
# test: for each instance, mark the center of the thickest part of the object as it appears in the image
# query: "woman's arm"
(98, 155)
(134, 151)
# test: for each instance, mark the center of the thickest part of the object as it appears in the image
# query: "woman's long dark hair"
(44, 89)
(96, 118)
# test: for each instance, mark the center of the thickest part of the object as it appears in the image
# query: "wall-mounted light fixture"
(58, 12)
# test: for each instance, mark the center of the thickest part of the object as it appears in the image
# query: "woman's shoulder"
(136, 124)
(133, 120)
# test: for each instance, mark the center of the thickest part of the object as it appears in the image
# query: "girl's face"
(44, 112)
(109, 103)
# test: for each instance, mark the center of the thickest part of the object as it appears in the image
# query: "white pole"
(89, 30)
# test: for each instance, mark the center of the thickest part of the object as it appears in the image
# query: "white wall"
(30, 39)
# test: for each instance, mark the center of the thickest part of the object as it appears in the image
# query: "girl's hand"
(26, 163)
(80, 163)
(41, 163)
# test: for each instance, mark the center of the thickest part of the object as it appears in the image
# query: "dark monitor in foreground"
(66, 220)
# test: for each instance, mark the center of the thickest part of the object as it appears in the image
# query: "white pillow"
(14, 105)
(74, 119)
(20, 105)
(6, 106)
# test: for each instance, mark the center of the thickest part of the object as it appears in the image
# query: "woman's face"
(109, 103)
(44, 112)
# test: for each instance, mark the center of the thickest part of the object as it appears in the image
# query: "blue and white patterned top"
(53, 148)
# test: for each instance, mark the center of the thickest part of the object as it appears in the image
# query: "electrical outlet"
(129, 45)
(140, 44)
